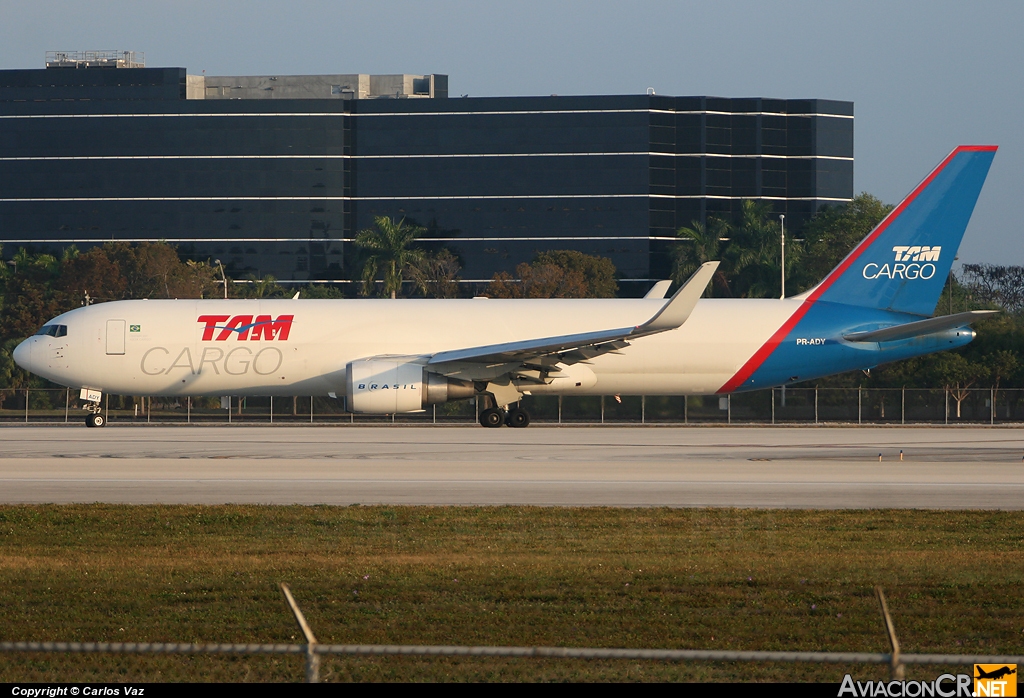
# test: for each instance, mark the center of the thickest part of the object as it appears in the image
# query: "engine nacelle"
(380, 386)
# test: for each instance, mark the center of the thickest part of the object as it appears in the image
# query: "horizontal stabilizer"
(919, 328)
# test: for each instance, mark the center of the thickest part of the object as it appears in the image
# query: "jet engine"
(382, 386)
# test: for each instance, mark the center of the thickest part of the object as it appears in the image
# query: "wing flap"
(528, 349)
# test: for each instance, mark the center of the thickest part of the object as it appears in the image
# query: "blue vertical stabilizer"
(903, 263)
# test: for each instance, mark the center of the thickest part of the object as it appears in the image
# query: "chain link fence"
(777, 406)
(281, 661)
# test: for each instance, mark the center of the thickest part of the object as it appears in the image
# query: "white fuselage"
(164, 351)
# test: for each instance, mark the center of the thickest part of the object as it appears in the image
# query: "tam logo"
(246, 327)
(917, 253)
(911, 262)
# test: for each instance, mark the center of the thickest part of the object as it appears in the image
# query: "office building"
(277, 174)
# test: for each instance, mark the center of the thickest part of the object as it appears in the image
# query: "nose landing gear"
(95, 417)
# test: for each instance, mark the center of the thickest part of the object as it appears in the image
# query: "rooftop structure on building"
(95, 59)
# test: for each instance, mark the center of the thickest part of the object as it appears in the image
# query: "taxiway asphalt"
(827, 468)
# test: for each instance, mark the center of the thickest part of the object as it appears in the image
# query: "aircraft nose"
(23, 355)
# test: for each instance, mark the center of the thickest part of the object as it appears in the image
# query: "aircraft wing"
(573, 348)
(659, 289)
(921, 327)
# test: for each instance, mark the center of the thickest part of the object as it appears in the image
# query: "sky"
(923, 76)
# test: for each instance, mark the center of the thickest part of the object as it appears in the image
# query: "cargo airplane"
(391, 356)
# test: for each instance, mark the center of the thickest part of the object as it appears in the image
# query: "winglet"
(659, 289)
(678, 308)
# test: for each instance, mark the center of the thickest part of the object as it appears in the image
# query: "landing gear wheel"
(492, 418)
(95, 420)
(518, 418)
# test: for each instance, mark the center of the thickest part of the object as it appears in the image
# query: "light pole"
(223, 276)
(782, 226)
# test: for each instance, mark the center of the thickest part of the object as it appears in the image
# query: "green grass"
(657, 578)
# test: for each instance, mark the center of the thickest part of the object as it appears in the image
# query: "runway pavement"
(805, 467)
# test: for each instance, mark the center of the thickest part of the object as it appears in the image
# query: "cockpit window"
(53, 331)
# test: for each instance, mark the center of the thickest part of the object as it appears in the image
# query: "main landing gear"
(518, 418)
(494, 417)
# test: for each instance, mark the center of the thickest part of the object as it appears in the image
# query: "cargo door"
(115, 336)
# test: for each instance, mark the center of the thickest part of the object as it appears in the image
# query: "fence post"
(728, 408)
(895, 665)
(26, 405)
(188, 410)
(815, 404)
(686, 409)
(559, 409)
(903, 405)
(229, 409)
(312, 658)
(271, 409)
(992, 402)
(947, 406)
(310, 409)
(773, 406)
(67, 404)
(643, 409)
(860, 394)
(602, 409)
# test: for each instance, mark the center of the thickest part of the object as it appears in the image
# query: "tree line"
(394, 259)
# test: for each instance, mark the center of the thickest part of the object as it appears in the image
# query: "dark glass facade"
(281, 186)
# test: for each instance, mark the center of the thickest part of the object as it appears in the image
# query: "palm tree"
(262, 287)
(705, 245)
(390, 252)
(757, 266)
